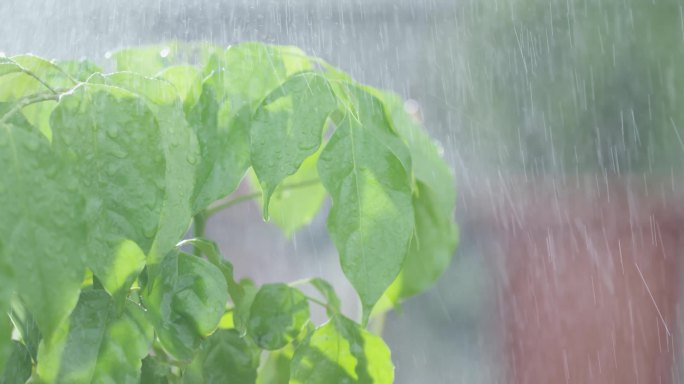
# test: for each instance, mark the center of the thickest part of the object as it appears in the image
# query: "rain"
(563, 121)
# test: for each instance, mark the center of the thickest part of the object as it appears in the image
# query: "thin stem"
(200, 225)
(251, 196)
(41, 81)
(299, 282)
(33, 99)
(321, 303)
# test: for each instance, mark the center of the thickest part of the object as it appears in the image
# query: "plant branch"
(251, 196)
(321, 303)
(33, 99)
(200, 225)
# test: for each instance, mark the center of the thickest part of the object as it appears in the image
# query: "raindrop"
(439, 147)
(165, 52)
(192, 159)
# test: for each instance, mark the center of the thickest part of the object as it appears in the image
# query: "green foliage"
(277, 315)
(104, 174)
(340, 351)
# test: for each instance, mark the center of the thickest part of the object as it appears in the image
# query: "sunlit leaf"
(287, 128)
(44, 237)
(187, 80)
(123, 181)
(237, 80)
(366, 169)
(181, 154)
(298, 199)
(340, 351)
(97, 344)
(275, 369)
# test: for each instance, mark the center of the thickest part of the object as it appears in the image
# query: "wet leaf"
(44, 239)
(226, 357)
(181, 153)
(287, 128)
(298, 199)
(97, 344)
(366, 169)
(436, 233)
(277, 315)
(276, 368)
(224, 147)
(18, 367)
(340, 351)
(187, 80)
(26, 327)
(154, 371)
(185, 297)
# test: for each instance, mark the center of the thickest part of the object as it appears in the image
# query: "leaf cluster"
(103, 175)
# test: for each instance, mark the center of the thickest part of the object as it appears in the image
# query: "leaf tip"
(267, 192)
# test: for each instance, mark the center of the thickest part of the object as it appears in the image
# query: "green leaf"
(276, 368)
(7, 279)
(79, 70)
(366, 169)
(181, 153)
(187, 80)
(154, 371)
(185, 298)
(44, 239)
(226, 357)
(34, 75)
(146, 60)
(97, 345)
(277, 315)
(127, 261)
(211, 250)
(340, 351)
(287, 128)
(224, 148)
(8, 67)
(247, 72)
(243, 305)
(113, 144)
(433, 246)
(26, 327)
(237, 80)
(297, 199)
(436, 233)
(149, 60)
(328, 292)
(19, 365)
(37, 75)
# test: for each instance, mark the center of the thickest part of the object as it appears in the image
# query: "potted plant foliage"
(103, 173)
(583, 103)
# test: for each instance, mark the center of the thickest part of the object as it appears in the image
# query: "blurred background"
(522, 95)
